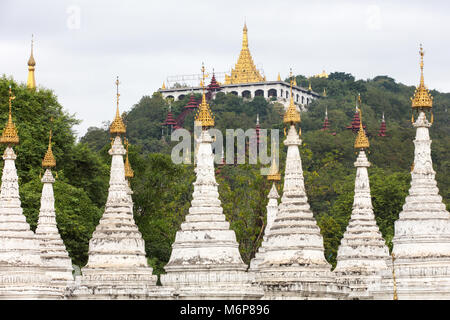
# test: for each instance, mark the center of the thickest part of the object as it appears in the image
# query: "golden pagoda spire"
(204, 114)
(129, 173)
(361, 141)
(117, 126)
(309, 88)
(9, 134)
(49, 160)
(279, 77)
(31, 82)
(163, 86)
(422, 99)
(291, 115)
(274, 174)
(245, 70)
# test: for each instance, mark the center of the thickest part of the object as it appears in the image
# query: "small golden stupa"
(9, 134)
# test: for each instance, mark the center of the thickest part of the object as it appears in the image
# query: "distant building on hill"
(245, 80)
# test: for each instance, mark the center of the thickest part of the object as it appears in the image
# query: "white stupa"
(205, 262)
(422, 232)
(363, 253)
(294, 265)
(22, 273)
(272, 210)
(54, 255)
(117, 266)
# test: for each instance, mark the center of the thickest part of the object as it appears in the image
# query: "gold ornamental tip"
(274, 174)
(117, 126)
(9, 134)
(204, 114)
(49, 160)
(422, 97)
(129, 173)
(279, 77)
(291, 115)
(361, 141)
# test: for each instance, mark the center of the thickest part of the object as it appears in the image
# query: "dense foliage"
(163, 190)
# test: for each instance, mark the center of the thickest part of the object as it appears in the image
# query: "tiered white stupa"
(422, 232)
(53, 251)
(205, 262)
(363, 253)
(294, 265)
(117, 267)
(272, 210)
(22, 273)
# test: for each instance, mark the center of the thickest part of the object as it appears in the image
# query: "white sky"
(81, 46)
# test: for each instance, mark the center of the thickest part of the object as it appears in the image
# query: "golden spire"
(9, 135)
(291, 115)
(274, 174)
(31, 82)
(117, 126)
(295, 81)
(245, 70)
(204, 114)
(129, 173)
(361, 141)
(49, 160)
(309, 88)
(422, 98)
(279, 77)
(163, 86)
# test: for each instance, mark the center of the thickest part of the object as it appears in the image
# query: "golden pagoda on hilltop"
(245, 70)
(31, 82)
(323, 74)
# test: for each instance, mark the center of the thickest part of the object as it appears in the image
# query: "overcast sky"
(81, 46)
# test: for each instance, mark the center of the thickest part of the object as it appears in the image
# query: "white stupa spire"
(363, 252)
(294, 265)
(272, 210)
(117, 265)
(22, 272)
(205, 260)
(422, 231)
(53, 251)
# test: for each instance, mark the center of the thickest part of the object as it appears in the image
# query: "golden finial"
(361, 141)
(9, 135)
(295, 82)
(117, 126)
(49, 160)
(204, 114)
(31, 82)
(279, 77)
(163, 86)
(422, 98)
(274, 174)
(291, 115)
(244, 36)
(309, 88)
(129, 173)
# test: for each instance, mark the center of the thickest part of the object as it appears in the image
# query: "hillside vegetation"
(163, 190)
